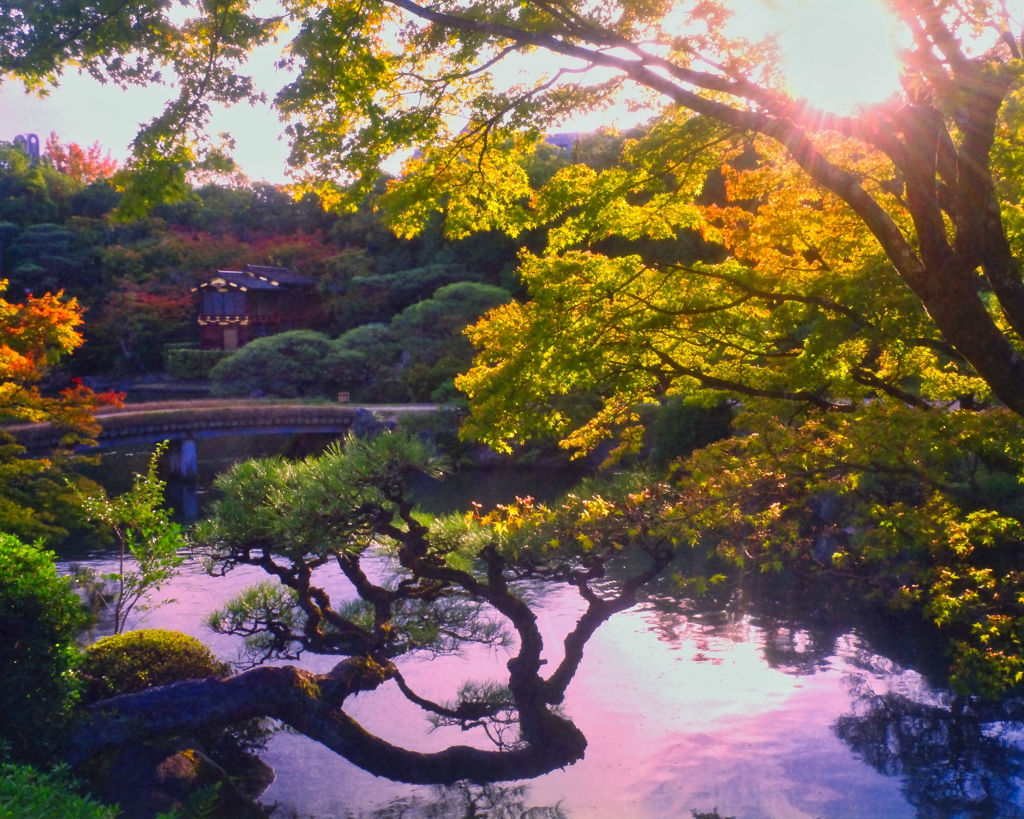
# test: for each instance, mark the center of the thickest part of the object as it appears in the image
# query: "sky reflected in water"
(762, 716)
(680, 716)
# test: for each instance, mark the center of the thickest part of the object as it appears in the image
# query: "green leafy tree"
(953, 98)
(47, 258)
(24, 196)
(149, 543)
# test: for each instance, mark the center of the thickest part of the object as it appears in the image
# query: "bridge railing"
(132, 426)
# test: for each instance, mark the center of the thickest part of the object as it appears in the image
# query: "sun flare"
(839, 53)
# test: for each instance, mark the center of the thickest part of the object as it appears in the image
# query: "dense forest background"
(395, 308)
(60, 231)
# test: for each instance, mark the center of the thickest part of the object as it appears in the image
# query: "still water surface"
(683, 709)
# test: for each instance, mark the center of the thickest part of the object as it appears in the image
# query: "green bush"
(374, 341)
(431, 335)
(26, 793)
(297, 364)
(376, 298)
(136, 660)
(192, 365)
(39, 615)
(129, 662)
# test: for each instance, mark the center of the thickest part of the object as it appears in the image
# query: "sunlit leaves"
(793, 313)
(123, 41)
(599, 519)
(919, 508)
(479, 190)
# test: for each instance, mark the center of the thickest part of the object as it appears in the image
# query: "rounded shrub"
(129, 662)
(386, 391)
(39, 615)
(296, 364)
(193, 365)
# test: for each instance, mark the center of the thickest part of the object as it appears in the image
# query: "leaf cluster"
(40, 616)
(149, 543)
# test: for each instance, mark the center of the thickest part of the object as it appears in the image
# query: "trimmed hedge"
(130, 662)
(193, 365)
(296, 364)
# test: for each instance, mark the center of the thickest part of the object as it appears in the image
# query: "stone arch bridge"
(182, 422)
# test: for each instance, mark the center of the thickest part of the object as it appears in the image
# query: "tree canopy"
(920, 186)
(35, 499)
(857, 290)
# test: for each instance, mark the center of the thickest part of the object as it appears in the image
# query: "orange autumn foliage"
(33, 337)
(85, 165)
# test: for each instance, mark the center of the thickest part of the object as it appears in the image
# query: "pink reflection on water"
(679, 714)
(669, 735)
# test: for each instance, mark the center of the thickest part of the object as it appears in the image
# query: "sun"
(838, 54)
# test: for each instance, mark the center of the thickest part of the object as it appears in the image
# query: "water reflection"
(764, 699)
(954, 757)
(686, 707)
(467, 801)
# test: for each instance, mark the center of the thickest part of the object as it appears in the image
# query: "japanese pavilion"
(241, 305)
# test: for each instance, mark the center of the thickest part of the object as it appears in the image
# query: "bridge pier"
(181, 459)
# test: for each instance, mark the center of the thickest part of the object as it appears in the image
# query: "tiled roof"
(258, 277)
(236, 279)
(282, 275)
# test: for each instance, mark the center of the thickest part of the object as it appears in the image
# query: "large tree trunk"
(311, 704)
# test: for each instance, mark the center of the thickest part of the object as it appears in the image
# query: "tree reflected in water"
(467, 801)
(957, 756)
(361, 576)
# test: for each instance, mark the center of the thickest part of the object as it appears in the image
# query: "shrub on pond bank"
(40, 615)
(192, 365)
(129, 662)
(26, 792)
(297, 364)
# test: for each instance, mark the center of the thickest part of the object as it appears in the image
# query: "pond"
(769, 705)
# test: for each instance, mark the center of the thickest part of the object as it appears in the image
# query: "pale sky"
(839, 53)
